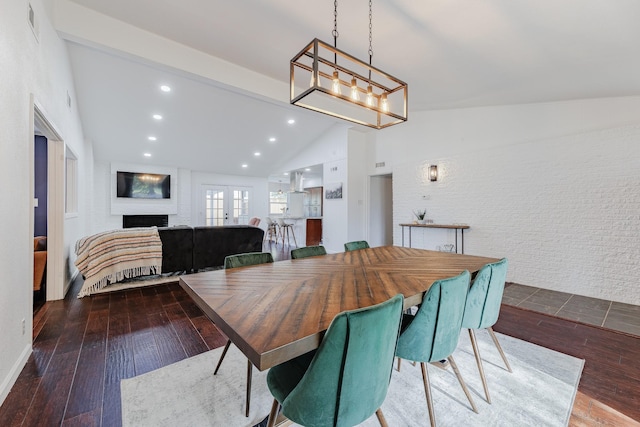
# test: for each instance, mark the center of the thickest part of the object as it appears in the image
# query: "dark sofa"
(191, 249)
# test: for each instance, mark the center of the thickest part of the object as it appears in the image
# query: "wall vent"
(33, 23)
(380, 164)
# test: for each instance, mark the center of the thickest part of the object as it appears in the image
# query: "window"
(277, 202)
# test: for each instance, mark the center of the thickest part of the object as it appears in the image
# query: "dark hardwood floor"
(84, 347)
(610, 382)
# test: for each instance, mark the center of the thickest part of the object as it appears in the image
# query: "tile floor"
(608, 314)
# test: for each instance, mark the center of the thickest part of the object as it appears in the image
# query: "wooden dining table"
(275, 312)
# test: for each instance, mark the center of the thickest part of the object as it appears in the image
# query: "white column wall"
(553, 187)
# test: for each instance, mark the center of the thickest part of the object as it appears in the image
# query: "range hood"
(297, 184)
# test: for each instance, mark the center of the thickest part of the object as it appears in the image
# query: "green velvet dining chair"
(235, 261)
(482, 310)
(432, 333)
(308, 251)
(354, 246)
(346, 379)
(250, 258)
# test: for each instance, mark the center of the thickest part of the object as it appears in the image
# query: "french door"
(223, 205)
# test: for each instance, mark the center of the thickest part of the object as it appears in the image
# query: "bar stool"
(272, 230)
(284, 230)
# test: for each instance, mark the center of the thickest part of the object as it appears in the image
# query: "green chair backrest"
(349, 375)
(434, 331)
(250, 258)
(354, 246)
(485, 296)
(308, 251)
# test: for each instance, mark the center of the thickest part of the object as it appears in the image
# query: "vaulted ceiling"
(452, 54)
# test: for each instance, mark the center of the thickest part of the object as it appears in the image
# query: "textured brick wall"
(564, 210)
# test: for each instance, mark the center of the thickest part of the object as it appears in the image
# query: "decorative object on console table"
(421, 214)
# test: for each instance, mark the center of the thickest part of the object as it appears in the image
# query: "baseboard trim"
(10, 380)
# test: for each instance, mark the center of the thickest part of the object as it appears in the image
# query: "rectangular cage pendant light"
(330, 81)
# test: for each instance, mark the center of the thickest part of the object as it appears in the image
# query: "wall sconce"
(433, 173)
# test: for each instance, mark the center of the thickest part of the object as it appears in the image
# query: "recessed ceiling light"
(147, 154)
(272, 139)
(152, 138)
(257, 153)
(307, 169)
(286, 173)
(245, 165)
(157, 116)
(291, 121)
(165, 88)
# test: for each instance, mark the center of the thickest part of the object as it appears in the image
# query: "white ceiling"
(452, 53)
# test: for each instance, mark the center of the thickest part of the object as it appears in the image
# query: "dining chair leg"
(224, 352)
(476, 353)
(274, 413)
(427, 392)
(461, 381)
(249, 372)
(499, 347)
(380, 415)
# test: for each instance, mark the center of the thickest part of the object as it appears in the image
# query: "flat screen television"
(143, 185)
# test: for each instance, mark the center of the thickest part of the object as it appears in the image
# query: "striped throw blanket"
(112, 256)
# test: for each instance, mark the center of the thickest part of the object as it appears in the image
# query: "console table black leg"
(456, 230)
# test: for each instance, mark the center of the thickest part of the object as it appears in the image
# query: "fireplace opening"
(130, 221)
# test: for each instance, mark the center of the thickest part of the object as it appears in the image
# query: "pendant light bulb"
(355, 95)
(370, 101)
(384, 104)
(315, 80)
(335, 87)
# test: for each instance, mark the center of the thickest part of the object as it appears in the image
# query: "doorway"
(381, 210)
(224, 205)
(55, 288)
(40, 166)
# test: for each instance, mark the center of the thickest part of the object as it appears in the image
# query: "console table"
(448, 226)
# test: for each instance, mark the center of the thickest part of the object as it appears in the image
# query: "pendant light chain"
(370, 38)
(334, 33)
(370, 33)
(335, 30)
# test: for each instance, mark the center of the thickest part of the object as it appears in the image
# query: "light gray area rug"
(539, 392)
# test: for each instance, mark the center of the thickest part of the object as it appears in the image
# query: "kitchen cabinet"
(313, 202)
(314, 231)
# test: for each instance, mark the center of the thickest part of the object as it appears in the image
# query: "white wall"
(37, 68)
(553, 187)
(356, 186)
